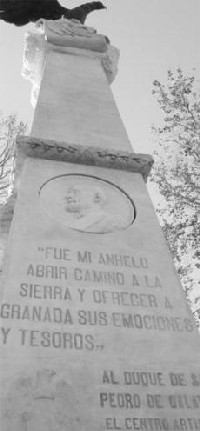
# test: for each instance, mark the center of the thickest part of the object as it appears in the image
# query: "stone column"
(95, 331)
(75, 103)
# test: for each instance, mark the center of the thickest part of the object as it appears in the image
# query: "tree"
(10, 128)
(176, 173)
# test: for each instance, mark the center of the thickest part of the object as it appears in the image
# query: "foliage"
(10, 128)
(176, 173)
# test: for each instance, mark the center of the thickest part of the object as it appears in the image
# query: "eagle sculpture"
(21, 12)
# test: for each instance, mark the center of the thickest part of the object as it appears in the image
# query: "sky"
(152, 35)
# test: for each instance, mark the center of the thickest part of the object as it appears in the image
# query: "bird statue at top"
(21, 12)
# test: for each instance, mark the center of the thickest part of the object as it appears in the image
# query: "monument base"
(96, 333)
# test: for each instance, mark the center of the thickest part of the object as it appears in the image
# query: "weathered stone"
(65, 37)
(95, 330)
(92, 310)
(51, 150)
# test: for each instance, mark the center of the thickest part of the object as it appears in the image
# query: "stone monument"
(95, 330)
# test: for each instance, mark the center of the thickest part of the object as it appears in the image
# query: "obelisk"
(95, 330)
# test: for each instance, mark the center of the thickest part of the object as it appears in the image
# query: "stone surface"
(95, 330)
(67, 38)
(51, 150)
(78, 106)
(75, 103)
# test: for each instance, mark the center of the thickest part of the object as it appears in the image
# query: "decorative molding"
(70, 33)
(63, 151)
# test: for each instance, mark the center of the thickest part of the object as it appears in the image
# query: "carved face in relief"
(80, 199)
(86, 204)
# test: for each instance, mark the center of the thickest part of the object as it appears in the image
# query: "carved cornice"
(70, 33)
(62, 151)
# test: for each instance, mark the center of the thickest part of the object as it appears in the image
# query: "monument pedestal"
(95, 332)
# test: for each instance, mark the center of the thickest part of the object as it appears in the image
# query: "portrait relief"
(86, 204)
